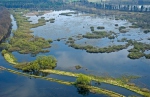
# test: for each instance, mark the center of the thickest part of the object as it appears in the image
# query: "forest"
(5, 22)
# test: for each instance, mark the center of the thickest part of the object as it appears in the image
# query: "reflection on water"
(112, 64)
(107, 64)
(117, 89)
(12, 85)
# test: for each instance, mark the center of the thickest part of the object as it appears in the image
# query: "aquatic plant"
(100, 27)
(22, 41)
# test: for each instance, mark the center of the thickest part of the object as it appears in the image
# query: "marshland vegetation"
(83, 80)
(23, 41)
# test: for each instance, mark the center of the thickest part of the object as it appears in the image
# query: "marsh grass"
(22, 40)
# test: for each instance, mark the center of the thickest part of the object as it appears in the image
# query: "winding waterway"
(113, 64)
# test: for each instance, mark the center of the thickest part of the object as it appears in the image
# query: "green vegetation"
(116, 24)
(22, 41)
(97, 34)
(42, 62)
(32, 4)
(52, 20)
(100, 27)
(121, 82)
(111, 37)
(138, 50)
(147, 31)
(68, 13)
(9, 57)
(138, 19)
(134, 26)
(83, 80)
(78, 67)
(92, 28)
(90, 88)
(122, 29)
(92, 49)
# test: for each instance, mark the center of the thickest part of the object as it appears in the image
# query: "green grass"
(23, 41)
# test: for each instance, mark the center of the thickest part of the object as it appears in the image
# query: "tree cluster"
(31, 3)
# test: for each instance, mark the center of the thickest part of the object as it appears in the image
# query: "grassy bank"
(118, 82)
(91, 88)
(22, 40)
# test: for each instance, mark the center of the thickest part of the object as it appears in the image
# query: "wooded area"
(5, 22)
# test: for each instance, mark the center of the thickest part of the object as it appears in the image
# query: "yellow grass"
(9, 59)
(91, 88)
(109, 81)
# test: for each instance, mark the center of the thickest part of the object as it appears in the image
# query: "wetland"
(107, 49)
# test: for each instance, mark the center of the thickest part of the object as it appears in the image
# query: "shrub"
(4, 52)
(100, 27)
(83, 80)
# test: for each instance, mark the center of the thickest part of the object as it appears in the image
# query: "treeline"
(31, 3)
(5, 22)
(108, 6)
(59, 4)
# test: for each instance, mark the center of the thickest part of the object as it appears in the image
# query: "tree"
(83, 80)
(81, 84)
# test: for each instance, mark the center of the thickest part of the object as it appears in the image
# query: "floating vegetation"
(147, 31)
(122, 29)
(92, 28)
(68, 13)
(22, 41)
(78, 67)
(134, 26)
(116, 24)
(92, 49)
(111, 37)
(97, 34)
(100, 27)
(52, 20)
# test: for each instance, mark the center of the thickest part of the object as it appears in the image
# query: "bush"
(83, 80)
(146, 31)
(92, 28)
(4, 52)
(116, 24)
(100, 27)
(42, 62)
(135, 55)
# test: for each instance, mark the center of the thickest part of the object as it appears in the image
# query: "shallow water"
(113, 64)
(12, 85)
